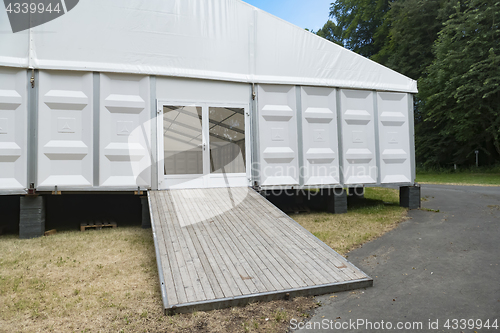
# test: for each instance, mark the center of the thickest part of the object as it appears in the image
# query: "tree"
(462, 90)
(358, 22)
(413, 27)
(331, 32)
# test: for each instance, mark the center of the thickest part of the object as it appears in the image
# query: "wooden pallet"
(50, 232)
(97, 224)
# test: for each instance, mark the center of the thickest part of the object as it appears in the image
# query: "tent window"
(227, 140)
(182, 140)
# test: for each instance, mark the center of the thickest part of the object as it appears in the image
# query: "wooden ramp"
(224, 247)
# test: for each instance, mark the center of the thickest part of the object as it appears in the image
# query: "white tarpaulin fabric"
(213, 39)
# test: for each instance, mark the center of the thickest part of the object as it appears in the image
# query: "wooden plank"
(206, 259)
(252, 254)
(321, 258)
(292, 252)
(47, 233)
(269, 261)
(287, 274)
(272, 240)
(183, 287)
(226, 256)
(326, 256)
(333, 261)
(279, 233)
(198, 276)
(258, 253)
(208, 209)
(211, 251)
(168, 235)
(289, 236)
(217, 264)
(97, 224)
(339, 263)
(167, 266)
(241, 253)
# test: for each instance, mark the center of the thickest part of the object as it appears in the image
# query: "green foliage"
(413, 27)
(462, 89)
(358, 22)
(452, 48)
(331, 32)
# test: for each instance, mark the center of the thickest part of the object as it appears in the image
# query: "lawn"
(365, 220)
(107, 280)
(459, 178)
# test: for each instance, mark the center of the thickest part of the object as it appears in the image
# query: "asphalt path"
(435, 272)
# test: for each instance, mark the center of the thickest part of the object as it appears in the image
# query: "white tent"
(106, 73)
(211, 39)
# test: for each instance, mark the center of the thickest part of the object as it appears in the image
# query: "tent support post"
(409, 196)
(336, 200)
(32, 217)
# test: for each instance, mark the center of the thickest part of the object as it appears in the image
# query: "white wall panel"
(394, 141)
(319, 130)
(125, 129)
(13, 129)
(65, 130)
(278, 135)
(358, 137)
(203, 91)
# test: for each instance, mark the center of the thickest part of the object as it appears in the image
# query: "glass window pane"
(182, 139)
(227, 140)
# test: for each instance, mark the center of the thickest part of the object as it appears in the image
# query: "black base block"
(409, 197)
(336, 201)
(32, 217)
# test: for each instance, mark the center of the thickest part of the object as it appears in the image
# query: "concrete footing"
(409, 197)
(146, 218)
(336, 201)
(31, 217)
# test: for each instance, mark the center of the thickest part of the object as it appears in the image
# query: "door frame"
(207, 179)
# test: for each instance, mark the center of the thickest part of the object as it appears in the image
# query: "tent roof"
(212, 39)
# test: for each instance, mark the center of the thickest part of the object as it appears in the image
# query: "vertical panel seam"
(411, 124)
(29, 128)
(153, 134)
(33, 100)
(340, 136)
(96, 101)
(256, 165)
(377, 138)
(300, 135)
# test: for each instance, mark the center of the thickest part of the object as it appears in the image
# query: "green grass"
(365, 220)
(107, 281)
(485, 175)
(459, 178)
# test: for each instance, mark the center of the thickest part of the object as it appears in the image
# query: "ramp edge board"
(341, 275)
(158, 256)
(242, 300)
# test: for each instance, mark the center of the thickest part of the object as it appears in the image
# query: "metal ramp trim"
(224, 247)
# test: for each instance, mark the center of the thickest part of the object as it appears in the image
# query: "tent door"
(202, 145)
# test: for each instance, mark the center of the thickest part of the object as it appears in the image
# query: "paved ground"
(436, 266)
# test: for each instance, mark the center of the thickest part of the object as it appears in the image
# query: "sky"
(311, 14)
